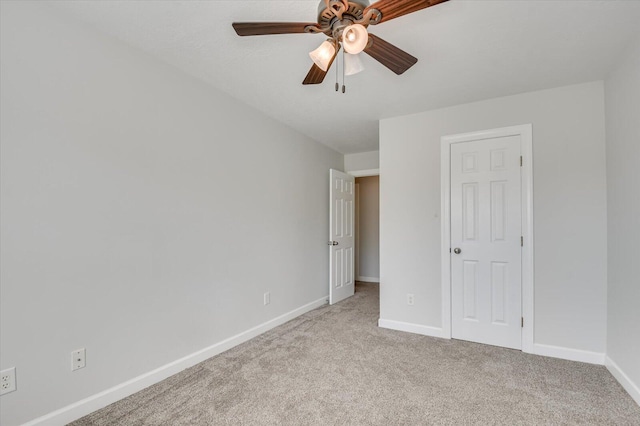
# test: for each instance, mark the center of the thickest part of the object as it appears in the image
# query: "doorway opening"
(367, 229)
(344, 235)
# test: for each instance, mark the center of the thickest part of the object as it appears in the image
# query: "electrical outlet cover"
(78, 359)
(7, 380)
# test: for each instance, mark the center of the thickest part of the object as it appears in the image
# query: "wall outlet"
(78, 359)
(410, 299)
(267, 298)
(7, 380)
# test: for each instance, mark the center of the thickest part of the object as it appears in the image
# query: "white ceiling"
(467, 51)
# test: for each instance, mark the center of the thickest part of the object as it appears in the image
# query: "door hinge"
(522, 322)
(521, 161)
(521, 241)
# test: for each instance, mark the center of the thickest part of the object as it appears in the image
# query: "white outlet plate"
(7, 380)
(78, 359)
(267, 298)
(410, 299)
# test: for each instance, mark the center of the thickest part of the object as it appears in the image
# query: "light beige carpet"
(334, 366)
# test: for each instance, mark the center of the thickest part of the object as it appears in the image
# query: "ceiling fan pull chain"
(337, 85)
(343, 86)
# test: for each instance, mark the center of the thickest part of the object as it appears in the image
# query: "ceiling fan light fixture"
(352, 64)
(323, 55)
(345, 22)
(355, 38)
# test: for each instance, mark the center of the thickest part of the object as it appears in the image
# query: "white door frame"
(526, 142)
(364, 173)
(356, 231)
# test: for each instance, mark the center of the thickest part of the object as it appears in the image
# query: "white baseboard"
(569, 354)
(538, 349)
(425, 330)
(632, 388)
(368, 279)
(95, 402)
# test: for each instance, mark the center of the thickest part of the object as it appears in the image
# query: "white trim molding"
(425, 330)
(364, 173)
(526, 148)
(569, 353)
(632, 388)
(369, 279)
(95, 402)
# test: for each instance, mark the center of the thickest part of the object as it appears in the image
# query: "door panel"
(470, 286)
(341, 236)
(486, 282)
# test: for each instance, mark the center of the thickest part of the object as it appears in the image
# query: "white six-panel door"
(341, 236)
(486, 281)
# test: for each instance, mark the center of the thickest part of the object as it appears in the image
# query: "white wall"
(362, 161)
(369, 228)
(622, 93)
(569, 213)
(139, 212)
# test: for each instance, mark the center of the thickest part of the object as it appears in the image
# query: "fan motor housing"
(332, 11)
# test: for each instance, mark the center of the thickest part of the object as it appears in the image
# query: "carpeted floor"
(334, 366)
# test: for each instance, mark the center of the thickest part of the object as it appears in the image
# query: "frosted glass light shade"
(352, 64)
(355, 38)
(323, 55)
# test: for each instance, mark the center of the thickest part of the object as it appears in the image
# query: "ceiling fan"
(345, 23)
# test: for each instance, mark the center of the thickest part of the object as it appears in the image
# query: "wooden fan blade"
(316, 75)
(390, 9)
(392, 57)
(266, 28)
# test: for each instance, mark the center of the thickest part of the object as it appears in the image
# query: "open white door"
(341, 238)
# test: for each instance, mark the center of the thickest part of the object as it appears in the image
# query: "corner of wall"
(622, 103)
(625, 381)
